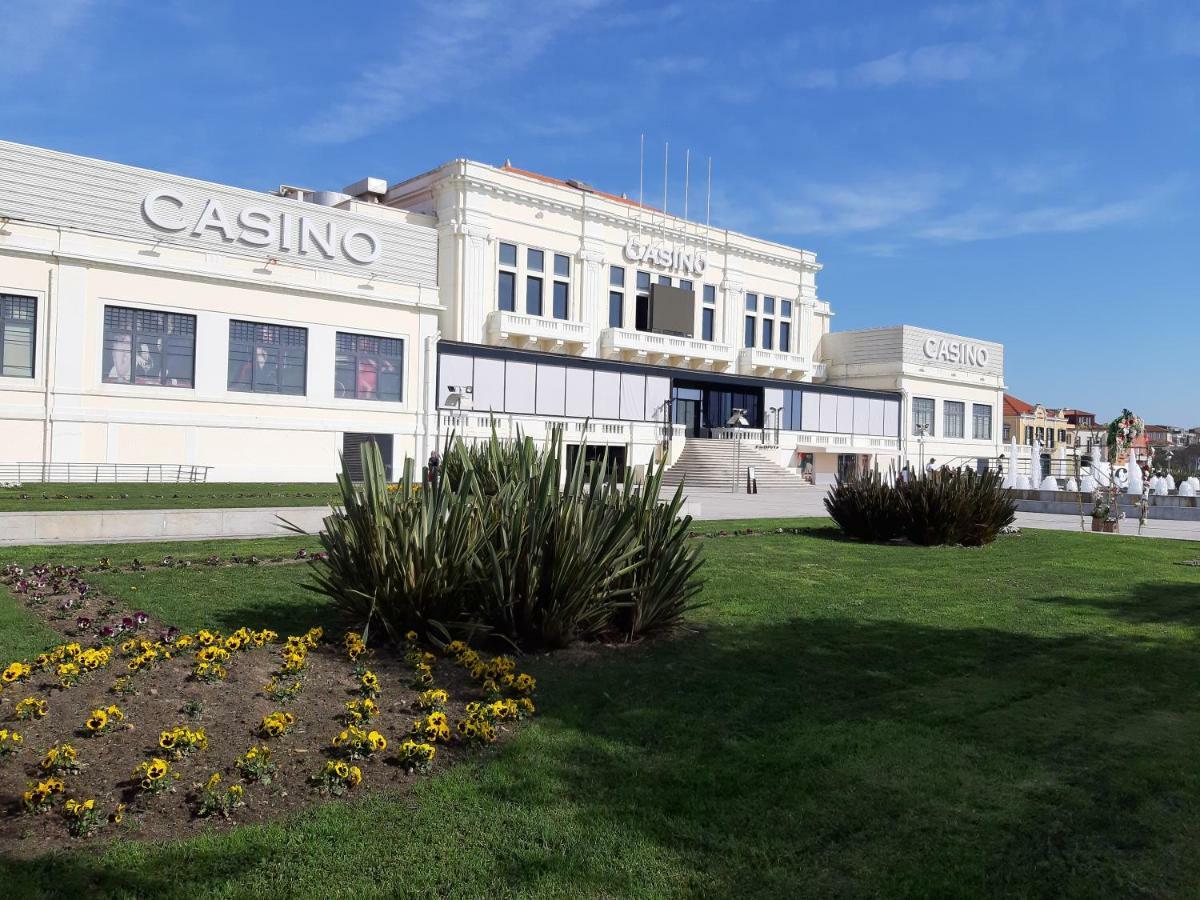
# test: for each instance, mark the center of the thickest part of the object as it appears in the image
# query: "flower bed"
(136, 729)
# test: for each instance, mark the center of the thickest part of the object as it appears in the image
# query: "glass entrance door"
(686, 410)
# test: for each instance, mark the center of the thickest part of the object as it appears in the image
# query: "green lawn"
(846, 721)
(43, 497)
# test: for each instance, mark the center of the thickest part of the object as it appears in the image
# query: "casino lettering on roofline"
(674, 259)
(956, 352)
(258, 226)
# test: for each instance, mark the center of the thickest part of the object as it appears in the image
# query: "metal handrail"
(98, 473)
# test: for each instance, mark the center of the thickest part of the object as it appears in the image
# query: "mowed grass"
(845, 721)
(38, 497)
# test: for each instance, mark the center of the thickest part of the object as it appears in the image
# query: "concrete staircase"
(712, 465)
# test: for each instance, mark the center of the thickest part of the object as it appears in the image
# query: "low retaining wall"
(112, 526)
(1172, 508)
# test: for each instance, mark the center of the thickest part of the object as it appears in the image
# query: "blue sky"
(1016, 170)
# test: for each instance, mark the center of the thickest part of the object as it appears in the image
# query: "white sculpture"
(1072, 486)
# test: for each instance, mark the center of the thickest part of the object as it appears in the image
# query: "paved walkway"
(809, 502)
(128, 526)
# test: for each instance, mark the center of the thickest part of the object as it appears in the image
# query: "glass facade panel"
(749, 336)
(785, 337)
(562, 265)
(616, 276)
(535, 261)
(707, 318)
(752, 302)
(508, 255)
(768, 334)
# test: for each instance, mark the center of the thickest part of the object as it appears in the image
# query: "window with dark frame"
(922, 409)
(953, 413)
(368, 368)
(144, 346)
(641, 309)
(749, 336)
(267, 359)
(533, 295)
(708, 315)
(18, 335)
(562, 292)
(616, 297)
(981, 422)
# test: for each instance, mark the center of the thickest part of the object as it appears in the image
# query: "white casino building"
(148, 319)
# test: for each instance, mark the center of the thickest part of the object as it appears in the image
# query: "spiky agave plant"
(403, 556)
(865, 507)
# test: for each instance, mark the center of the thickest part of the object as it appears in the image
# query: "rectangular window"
(1028, 434)
(18, 324)
(142, 346)
(707, 318)
(664, 280)
(684, 284)
(922, 408)
(561, 293)
(1007, 431)
(785, 308)
(769, 306)
(508, 255)
(267, 359)
(616, 309)
(641, 304)
(710, 294)
(768, 334)
(507, 299)
(981, 422)
(1041, 434)
(616, 277)
(562, 265)
(749, 340)
(953, 413)
(368, 368)
(533, 295)
(785, 337)
(752, 303)
(535, 261)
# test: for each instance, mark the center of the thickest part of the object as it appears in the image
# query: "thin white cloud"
(889, 212)
(31, 30)
(447, 50)
(938, 63)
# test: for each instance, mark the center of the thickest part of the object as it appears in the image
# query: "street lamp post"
(922, 430)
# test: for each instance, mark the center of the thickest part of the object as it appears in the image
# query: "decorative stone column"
(733, 296)
(471, 280)
(593, 311)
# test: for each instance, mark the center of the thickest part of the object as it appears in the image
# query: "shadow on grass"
(1166, 602)
(817, 757)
